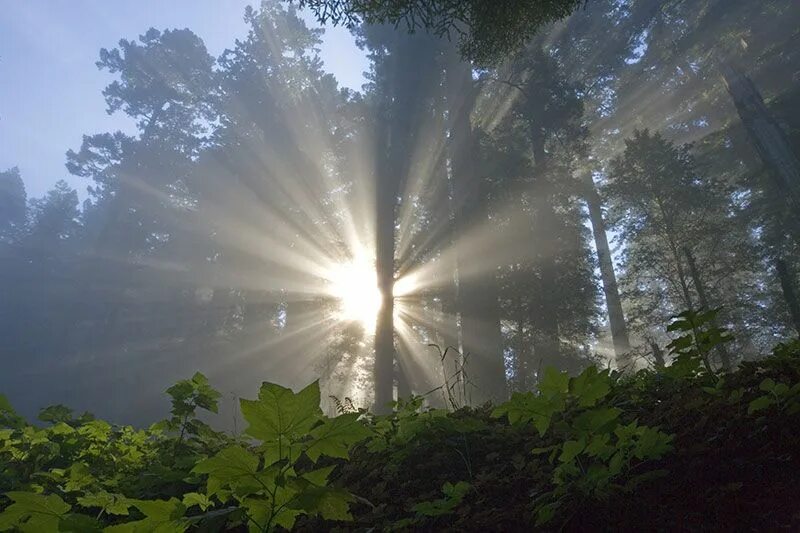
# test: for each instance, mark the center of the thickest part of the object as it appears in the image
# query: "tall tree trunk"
(544, 311)
(724, 356)
(616, 318)
(764, 132)
(384, 264)
(789, 291)
(477, 303)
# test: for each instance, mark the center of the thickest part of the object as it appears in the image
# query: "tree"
(13, 208)
(54, 218)
(488, 30)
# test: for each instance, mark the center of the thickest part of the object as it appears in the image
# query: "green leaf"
(319, 476)
(596, 420)
(545, 513)
(760, 403)
(230, 466)
(335, 436)
(328, 502)
(113, 504)
(525, 407)
(79, 523)
(280, 416)
(553, 382)
(570, 449)
(38, 512)
(590, 386)
(767, 385)
(162, 516)
(195, 498)
(652, 443)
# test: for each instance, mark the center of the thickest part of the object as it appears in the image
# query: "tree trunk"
(789, 291)
(544, 311)
(724, 356)
(616, 318)
(384, 264)
(764, 132)
(476, 300)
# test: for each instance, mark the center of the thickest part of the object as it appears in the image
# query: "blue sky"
(50, 87)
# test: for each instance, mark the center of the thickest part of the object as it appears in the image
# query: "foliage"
(700, 335)
(594, 439)
(84, 474)
(488, 31)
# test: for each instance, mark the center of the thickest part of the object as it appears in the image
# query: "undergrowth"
(685, 446)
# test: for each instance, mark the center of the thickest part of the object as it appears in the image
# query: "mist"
(235, 230)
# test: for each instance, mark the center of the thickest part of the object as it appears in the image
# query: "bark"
(789, 291)
(724, 356)
(765, 134)
(476, 298)
(616, 318)
(544, 310)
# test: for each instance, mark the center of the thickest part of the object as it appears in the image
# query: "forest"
(541, 272)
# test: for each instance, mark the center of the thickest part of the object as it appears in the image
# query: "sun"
(355, 285)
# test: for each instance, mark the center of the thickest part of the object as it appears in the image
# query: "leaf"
(280, 416)
(319, 476)
(195, 498)
(760, 403)
(162, 516)
(596, 420)
(229, 466)
(767, 385)
(38, 512)
(525, 407)
(79, 523)
(570, 449)
(454, 495)
(113, 504)
(553, 382)
(652, 443)
(590, 386)
(335, 436)
(329, 502)
(545, 513)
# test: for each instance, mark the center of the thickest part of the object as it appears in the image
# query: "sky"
(50, 87)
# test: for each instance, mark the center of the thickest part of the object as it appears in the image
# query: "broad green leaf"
(570, 449)
(595, 420)
(319, 476)
(760, 403)
(280, 416)
(229, 466)
(767, 385)
(525, 407)
(335, 436)
(553, 382)
(590, 386)
(195, 498)
(79, 523)
(652, 444)
(162, 516)
(260, 511)
(79, 477)
(328, 502)
(38, 512)
(113, 504)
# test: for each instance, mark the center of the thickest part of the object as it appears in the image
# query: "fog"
(261, 222)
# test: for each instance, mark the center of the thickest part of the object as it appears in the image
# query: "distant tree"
(54, 218)
(13, 205)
